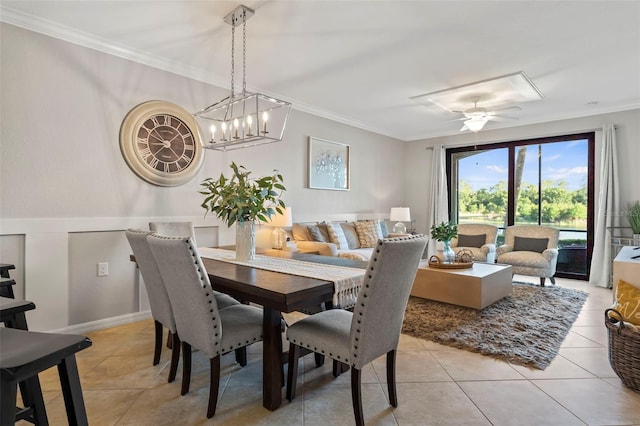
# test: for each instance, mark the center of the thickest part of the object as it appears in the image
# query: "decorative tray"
(435, 262)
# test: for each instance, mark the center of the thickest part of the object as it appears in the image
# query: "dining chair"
(199, 321)
(372, 329)
(185, 229)
(161, 309)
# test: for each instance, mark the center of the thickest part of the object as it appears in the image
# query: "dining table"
(276, 292)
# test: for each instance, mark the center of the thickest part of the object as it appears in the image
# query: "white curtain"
(438, 208)
(607, 209)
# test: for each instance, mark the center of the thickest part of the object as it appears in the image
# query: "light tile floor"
(437, 385)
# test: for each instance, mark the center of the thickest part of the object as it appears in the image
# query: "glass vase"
(245, 240)
(448, 253)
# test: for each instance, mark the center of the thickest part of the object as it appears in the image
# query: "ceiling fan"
(475, 118)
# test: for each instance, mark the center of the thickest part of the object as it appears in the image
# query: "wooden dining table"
(277, 292)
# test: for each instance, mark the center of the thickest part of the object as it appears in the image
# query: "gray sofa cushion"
(530, 244)
(316, 233)
(471, 240)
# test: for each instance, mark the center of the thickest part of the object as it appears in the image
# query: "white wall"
(66, 193)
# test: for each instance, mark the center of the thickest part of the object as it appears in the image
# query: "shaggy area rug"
(525, 328)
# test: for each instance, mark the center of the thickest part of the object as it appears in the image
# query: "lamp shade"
(400, 214)
(279, 220)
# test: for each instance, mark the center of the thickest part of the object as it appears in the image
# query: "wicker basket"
(624, 350)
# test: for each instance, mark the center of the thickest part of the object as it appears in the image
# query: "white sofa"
(316, 237)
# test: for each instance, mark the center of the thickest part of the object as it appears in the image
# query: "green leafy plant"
(241, 198)
(633, 216)
(444, 232)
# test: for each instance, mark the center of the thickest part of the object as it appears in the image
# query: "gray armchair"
(479, 239)
(373, 329)
(530, 250)
(199, 322)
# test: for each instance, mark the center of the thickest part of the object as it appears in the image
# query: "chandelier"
(243, 119)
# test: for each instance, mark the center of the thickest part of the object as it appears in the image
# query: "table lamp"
(279, 236)
(399, 215)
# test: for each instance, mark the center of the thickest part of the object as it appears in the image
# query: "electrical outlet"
(103, 269)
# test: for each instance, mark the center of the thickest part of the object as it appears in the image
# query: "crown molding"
(74, 36)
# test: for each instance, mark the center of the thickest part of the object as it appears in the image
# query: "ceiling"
(361, 62)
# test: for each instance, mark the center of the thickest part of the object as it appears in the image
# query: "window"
(532, 182)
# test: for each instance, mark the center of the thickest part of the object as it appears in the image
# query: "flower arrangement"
(444, 232)
(242, 198)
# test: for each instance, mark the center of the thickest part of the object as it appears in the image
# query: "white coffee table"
(476, 287)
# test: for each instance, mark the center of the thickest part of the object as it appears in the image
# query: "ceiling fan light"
(475, 124)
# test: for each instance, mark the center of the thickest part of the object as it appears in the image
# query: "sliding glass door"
(533, 182)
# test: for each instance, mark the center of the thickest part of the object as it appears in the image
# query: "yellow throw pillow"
(628, 302)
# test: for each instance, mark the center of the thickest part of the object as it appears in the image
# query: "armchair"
(530, 250)
(470, 237)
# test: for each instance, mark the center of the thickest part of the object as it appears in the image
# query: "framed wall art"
(328, 165)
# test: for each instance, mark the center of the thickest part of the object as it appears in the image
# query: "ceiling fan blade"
(502, 118)
(515, 108)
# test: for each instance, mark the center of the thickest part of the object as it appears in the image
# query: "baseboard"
(104, 323)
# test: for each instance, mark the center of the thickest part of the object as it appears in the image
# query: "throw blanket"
(346, 281)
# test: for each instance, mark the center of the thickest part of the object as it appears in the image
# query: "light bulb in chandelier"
(250, 109)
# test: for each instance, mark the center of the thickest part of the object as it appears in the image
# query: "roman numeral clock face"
(161, 143)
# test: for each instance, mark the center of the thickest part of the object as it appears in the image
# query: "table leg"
(272, 375)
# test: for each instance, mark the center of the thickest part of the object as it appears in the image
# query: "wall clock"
(161, 143)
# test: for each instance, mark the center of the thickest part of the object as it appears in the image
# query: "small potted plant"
(633, 217)
(445, 232)
(243, 200)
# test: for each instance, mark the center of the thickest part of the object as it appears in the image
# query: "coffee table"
(475, 287)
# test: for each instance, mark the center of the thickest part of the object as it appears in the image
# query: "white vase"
(245, 240)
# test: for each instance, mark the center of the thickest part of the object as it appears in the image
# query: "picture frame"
(328, 165)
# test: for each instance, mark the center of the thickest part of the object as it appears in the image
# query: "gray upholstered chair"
(373, 329)
(479, 239)
(158, 298)
(185, 229)
(199, 322)
(530, 250)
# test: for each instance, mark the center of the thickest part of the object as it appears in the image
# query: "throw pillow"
(300, 232)
(368, 233)
(384, 229)
(471, 240)
(349, 230)
(530, 244)
(628, 302)
(316, 234)
(337, 236)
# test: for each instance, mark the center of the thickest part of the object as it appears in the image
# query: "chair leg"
(186, 368)
(339, 368)
(391, 378)
(157, 348)
(319, 358)
(241, 356)
(72, 391)
(356, 396)
(214, 384)
(8, 393)
(175, 357)
(542, 279)
(292, 373)
(553, 280)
